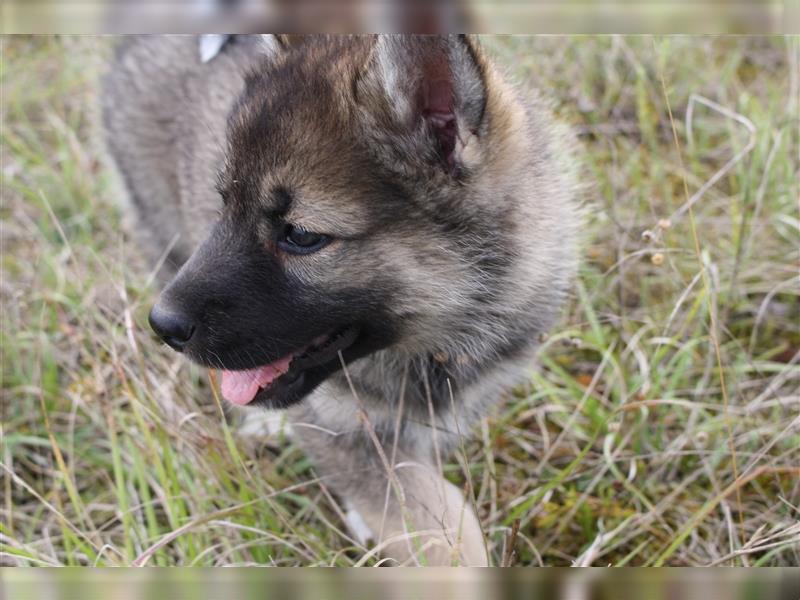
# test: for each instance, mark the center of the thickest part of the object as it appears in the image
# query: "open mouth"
(242, 387)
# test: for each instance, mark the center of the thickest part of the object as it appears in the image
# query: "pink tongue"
(240, 387)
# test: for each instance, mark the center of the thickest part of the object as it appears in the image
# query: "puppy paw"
(262, 424)
(358, 527)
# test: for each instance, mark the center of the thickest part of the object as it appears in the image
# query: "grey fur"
(476, 304)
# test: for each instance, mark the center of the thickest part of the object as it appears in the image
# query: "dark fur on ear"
(427, 88)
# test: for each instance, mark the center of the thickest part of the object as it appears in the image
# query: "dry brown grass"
(662, 428)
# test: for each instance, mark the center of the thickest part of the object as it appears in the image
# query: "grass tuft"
(661, 427)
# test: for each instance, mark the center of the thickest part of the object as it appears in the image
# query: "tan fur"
(472, 300)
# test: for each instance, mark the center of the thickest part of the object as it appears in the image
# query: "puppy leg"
(414, 515)
(426, 521)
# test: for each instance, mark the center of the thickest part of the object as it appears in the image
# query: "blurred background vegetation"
(663, 426)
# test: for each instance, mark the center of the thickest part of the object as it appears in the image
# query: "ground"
(662, 426)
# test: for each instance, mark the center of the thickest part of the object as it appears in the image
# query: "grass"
(662, 427)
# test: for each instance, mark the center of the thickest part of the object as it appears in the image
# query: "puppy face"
(349, 220)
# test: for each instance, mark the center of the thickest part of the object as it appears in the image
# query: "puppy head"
(354, 216)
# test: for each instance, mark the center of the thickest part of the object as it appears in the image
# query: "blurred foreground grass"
(663, 426)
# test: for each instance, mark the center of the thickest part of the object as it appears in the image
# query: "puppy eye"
(297, 240)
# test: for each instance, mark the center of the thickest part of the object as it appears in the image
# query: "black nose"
(172, 327)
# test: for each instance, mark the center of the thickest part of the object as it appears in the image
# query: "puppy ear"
(270, 43)
(274, 43)
(210, 44)
(428, 87)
